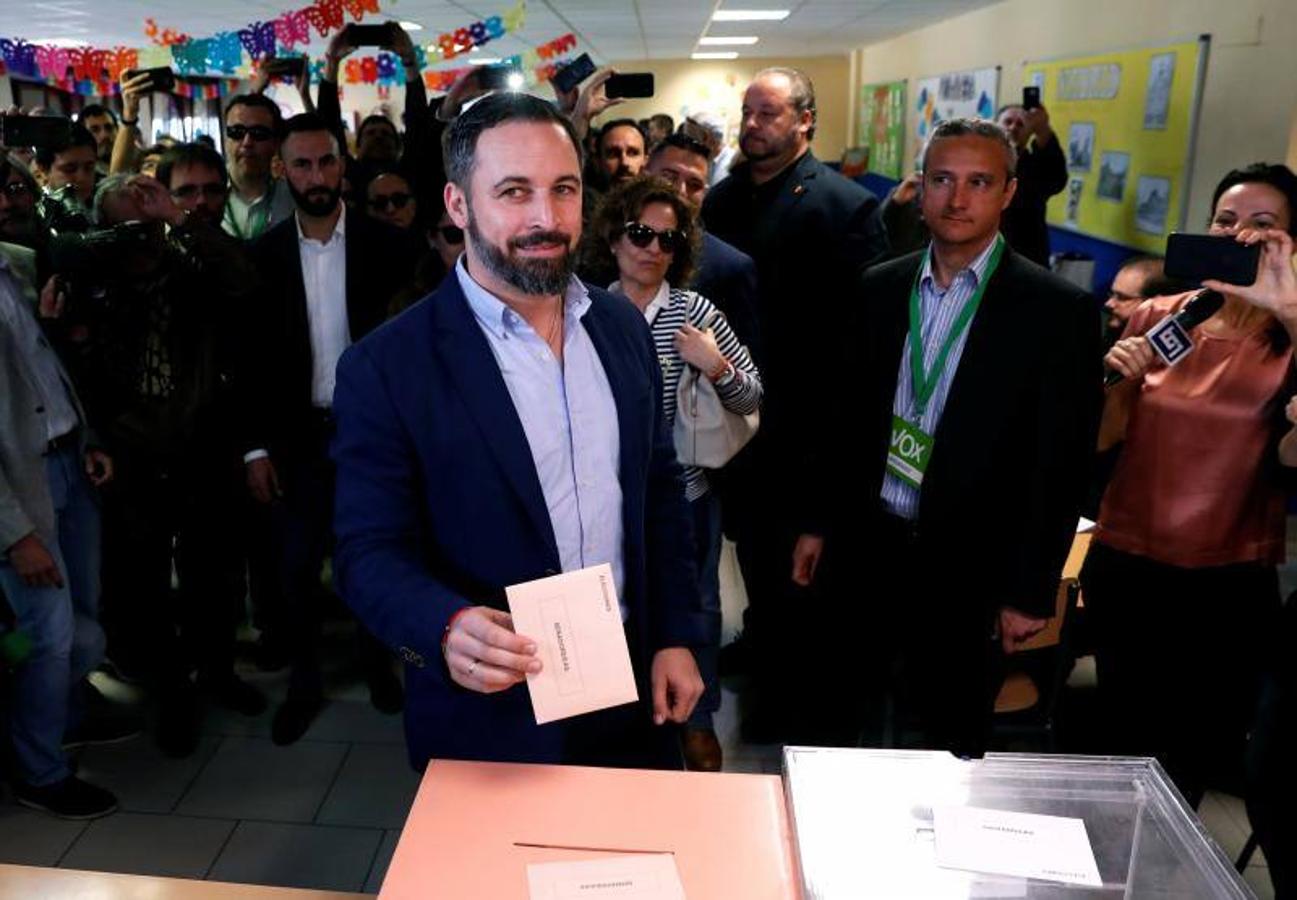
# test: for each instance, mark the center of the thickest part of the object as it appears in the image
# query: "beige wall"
(1249, 99)
(685, 86)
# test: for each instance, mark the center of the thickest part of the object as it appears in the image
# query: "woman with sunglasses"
(651, 236)
(389, 199)
(1180, 583)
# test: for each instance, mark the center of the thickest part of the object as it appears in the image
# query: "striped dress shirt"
(740, 394)
(938, 310)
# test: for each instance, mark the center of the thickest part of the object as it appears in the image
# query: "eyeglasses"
(258, 133)
(397, 201)
(669, 240)
(189, 191)
(452, 234)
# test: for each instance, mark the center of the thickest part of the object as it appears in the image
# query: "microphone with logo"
(1170, 338)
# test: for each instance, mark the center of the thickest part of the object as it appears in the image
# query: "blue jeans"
(707, 554)
(63, 624)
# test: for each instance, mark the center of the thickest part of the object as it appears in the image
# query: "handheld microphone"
(1170, 338)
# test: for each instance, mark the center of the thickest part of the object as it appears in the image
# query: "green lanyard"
(260, 216)
(925, 384)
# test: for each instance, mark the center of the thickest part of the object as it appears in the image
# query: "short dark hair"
(682, 141)
(620, 123)
(663, 121)
(256, 101)
(1279, 177)
(802, 95)
(95, 109)
(624, 203)
(305, 123)
(186, 155)
(952, 128)
(77, 136)
(373, 119)
(1008, 106)
(459, 143)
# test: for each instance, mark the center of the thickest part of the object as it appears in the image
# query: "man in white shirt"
(328, 276)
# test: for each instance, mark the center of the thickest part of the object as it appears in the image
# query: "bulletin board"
(969, 94)
(1126, 121)
(882, 126)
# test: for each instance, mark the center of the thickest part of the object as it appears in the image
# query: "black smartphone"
(575, 72)
(160, 79)
(369, 35)
(630, 84)
(290, 66)
(1031, 97)
(495, 78)
(34, 131)
(1196, 257)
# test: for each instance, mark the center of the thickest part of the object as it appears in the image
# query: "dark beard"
(774, 148)
(534, 277)
(318, 201)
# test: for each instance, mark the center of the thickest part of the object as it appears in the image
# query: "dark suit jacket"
(380, 261)
(1011, 455)
(1042, 173)
(439, 507)
(728, 277)
(810, 244)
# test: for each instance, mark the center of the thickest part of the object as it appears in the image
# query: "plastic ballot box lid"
(474, 827)
(863, 823)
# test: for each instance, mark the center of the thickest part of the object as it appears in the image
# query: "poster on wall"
(882, 126)
(969, 94)
(1128, 117)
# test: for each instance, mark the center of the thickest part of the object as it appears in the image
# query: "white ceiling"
(608, 29)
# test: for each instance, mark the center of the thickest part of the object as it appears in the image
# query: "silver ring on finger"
(472, 667)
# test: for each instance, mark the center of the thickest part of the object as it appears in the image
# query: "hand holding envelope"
(483, 654)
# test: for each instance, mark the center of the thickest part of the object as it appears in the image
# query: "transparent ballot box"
(863, 825)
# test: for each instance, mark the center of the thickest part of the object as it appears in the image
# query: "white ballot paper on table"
(575, 620)
(642, 876)
(995, 841)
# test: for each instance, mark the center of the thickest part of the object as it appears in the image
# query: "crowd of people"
(483, 347)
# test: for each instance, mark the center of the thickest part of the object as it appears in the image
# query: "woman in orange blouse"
(1180, 581)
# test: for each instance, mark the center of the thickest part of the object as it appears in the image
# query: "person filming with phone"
(1042, 173)
(1180, 582)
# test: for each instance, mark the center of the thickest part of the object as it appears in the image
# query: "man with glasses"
(161, 350)
(18, 193)
(196, 177)
(258, 201)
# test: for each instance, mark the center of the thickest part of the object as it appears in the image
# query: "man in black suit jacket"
(327, 275)
(811, 232)
(958, 507)
(725, 275)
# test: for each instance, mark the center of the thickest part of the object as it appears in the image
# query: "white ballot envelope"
(575, 620)
(999, 842)
(642, 876)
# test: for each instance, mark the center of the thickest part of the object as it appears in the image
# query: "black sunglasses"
(16, 189)
(669, 240)
(258, 133)
(452, 234)
(397, 201)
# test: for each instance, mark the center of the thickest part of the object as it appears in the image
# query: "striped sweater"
(741, 394)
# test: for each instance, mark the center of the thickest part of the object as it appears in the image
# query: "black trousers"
(1180, 656)
(185, 512)
(303, 527)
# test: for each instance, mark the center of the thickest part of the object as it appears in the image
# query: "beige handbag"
(707, 434)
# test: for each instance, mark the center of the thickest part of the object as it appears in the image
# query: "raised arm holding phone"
(1180, 581)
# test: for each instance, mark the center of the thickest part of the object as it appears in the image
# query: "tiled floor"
(323, 813)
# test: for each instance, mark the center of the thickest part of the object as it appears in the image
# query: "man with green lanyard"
(258, 201)
(982, 391)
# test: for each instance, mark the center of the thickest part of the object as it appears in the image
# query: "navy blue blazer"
(728, 277)
(439, 507)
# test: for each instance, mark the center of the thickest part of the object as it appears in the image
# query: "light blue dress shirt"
(938, 310)
(569, 415)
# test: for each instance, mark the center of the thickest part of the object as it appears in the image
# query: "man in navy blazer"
(503, 429)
